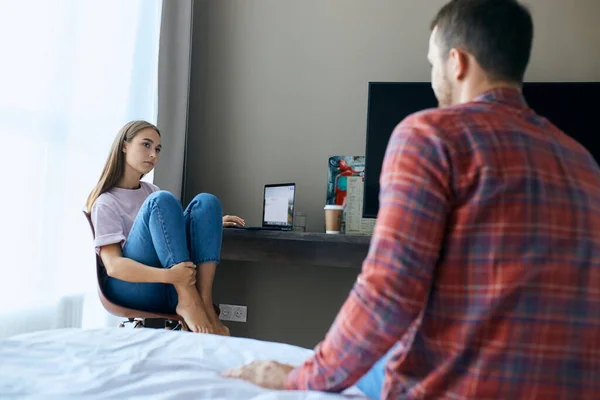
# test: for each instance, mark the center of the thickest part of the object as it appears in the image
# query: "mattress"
(121, 363)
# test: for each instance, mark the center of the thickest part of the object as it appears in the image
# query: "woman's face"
(142, 152)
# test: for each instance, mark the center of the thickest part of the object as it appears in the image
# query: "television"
(569, 105)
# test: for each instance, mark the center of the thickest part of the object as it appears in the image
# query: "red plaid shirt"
(487, 243)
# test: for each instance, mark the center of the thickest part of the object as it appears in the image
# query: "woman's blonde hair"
(115, 164)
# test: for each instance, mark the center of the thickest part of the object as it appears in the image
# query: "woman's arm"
(129, 270)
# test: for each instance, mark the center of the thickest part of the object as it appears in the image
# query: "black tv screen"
(388, 104)
(569, 105)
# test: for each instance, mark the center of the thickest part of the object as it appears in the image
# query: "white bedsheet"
(120, 363)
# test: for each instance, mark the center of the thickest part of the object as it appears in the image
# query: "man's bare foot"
(196, 318)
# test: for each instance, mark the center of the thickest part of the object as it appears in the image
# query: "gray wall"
(286, 303)
(278, 86)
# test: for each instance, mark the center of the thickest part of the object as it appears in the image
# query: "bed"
(118, 363)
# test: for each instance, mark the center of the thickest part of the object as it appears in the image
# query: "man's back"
(514, 307)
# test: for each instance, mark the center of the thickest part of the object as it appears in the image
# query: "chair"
(133, 316)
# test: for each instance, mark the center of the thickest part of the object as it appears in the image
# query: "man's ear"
(459, 63)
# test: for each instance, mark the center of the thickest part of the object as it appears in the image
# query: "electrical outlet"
(233, 313)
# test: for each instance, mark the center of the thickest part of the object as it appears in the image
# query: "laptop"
(278, 208)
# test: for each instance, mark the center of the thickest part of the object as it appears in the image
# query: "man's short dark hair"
(498, 33)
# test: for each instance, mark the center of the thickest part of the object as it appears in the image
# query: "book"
(345, 186)
(340, 168)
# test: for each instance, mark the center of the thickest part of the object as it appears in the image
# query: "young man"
(484, 267)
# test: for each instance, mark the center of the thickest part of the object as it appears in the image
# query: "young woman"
(158, 257)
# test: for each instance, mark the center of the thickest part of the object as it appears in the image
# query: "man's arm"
(394, 285)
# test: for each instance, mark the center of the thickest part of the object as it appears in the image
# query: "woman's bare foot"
(191, 307)
(223, 329)
(220, 329)
(196, 318)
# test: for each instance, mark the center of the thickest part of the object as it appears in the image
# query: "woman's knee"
(208, 203)
(164, 198)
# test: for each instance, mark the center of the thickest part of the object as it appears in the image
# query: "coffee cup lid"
(333, 207)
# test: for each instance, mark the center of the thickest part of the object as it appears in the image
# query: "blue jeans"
(162, 235)
(372, 382)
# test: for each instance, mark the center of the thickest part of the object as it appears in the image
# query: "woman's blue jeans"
(162, 235)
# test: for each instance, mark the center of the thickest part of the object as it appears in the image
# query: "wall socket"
(233, 313)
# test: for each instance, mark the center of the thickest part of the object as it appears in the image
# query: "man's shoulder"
(444, 117)
(445, 123)
(428, 123)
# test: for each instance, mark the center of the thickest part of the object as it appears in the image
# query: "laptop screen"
(279, 205)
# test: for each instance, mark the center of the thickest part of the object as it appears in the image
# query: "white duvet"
(120, 363)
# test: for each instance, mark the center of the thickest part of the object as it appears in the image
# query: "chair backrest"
(99, 264)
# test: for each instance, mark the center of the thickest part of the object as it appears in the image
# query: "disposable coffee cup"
(333, 218)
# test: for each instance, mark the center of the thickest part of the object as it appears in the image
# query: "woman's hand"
(232, 220)
(183, 273)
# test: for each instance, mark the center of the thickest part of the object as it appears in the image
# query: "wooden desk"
(308, 248)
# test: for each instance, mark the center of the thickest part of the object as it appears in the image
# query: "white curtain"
(72, 73)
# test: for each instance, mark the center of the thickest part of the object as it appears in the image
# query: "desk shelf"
(307, 248)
